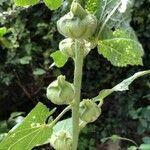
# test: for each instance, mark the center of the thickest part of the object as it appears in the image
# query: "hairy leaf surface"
(123, 86)
(26, 2)
(92, 6)
(121, 48)
(31, 132)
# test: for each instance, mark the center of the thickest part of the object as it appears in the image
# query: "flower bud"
(60, 91)
(71, 26)
(67, 47)
(91, 24)
(77, 28)
(78, 10)
(88, 46)
(89, 111)
(61, 140)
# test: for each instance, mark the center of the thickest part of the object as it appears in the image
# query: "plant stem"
(77, 84)
(60, 115)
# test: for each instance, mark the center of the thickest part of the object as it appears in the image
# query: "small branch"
(101, 102)
(126, 139)
(60, 115)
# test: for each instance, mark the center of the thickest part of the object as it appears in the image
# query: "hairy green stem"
(60, 115)
(77, 84)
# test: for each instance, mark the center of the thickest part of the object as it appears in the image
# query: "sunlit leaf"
(92, 6)
(31, 132)
(26, 2)
(53, 4)
(59, 59)
(121, 48)
(3, 31)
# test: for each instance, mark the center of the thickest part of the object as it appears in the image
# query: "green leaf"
(115, 138)
(121, 48)
(31, 132)
(144, 147)
(146, 140)
(3, 30)
(92, 6)
(63, 125)
(132, 148)
(110, 15)
(25, 60)
(26, 2)
(53, 4)
(105, 8)
(59, 59)
(4, 42)
(123, 86)
(39, 71)
(118, 43)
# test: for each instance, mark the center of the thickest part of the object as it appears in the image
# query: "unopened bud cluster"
(61, 140)
(77, 25)
(89, 111)
(60, 91)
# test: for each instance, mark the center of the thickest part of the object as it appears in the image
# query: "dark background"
(25, 74)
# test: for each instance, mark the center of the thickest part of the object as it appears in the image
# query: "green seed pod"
(60, 91)
(71, 26)
(61, 140)
(91, 24)
(78, 10)
(67, 47)
(89, 111)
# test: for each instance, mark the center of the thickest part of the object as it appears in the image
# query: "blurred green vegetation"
(25, 73)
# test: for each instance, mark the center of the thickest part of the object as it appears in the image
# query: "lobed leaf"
(110, 15)
(121, 48)
(123, 86)
(31, 132)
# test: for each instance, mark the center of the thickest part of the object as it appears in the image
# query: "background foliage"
(25, 73)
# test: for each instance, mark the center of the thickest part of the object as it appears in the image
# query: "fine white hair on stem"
(123, 6)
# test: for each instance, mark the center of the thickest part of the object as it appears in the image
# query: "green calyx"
(61, 140)
(60, 91)
(89, 111)
(77, 24)
(71, 26)
(67, 47)
(78, 10)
